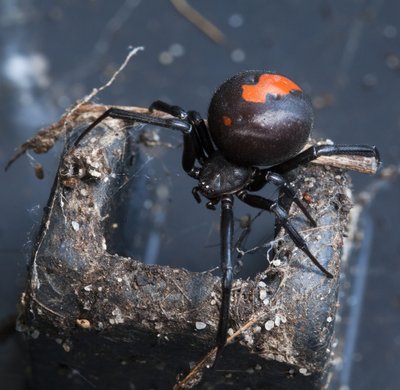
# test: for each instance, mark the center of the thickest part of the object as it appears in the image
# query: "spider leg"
(315, 151)
(282, 216)
(194, 138)
(198, 123)
(190, 147)
(264, 176)
(227, 269)
(132, 117)
(176, 111)
(196, 195)
(194, 118)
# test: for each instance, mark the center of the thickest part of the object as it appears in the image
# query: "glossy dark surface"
(257, 124)
(218, 177)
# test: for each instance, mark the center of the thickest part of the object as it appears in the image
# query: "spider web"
(166, 226)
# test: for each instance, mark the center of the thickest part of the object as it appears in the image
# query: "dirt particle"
(269, 325)
(83, 323)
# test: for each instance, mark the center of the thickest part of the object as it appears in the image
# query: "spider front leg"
(133, 117)
(282, 217)
(194, 118)
(226, 231)
(190, 148)
(316, 151)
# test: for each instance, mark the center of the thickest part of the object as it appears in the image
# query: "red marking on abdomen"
(268, 84)
(227, 120)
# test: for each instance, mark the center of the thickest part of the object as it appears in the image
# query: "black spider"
(254, 118)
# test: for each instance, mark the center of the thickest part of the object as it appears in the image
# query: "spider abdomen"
(259, 118)
(219, 177)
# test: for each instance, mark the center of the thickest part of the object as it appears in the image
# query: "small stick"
(201, 364)
(199, 21)
(47, 137)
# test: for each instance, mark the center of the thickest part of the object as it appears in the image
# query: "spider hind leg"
(283, 219)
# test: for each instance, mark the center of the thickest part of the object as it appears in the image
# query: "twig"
(47, 137)
(207, 359)
(199, 21)
(96, 91)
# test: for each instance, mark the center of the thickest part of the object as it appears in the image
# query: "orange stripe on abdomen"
(268, 84)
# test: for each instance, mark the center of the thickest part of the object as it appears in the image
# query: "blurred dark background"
(345, 54)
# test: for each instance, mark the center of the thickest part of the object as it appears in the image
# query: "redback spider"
(256, 118)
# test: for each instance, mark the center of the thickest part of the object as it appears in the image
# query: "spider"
(255, 118)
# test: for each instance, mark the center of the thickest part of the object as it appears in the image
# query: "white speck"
(257, 329)
(119, 280)
(66, 347)
(118, 316)
(262, 284)
(84, 192)
(329, 319)
(269, 325)
(104, 244)
(266, 301)
(235, 20)
(263, 294)
(75, 225)
(35, 334)
(88, 287)
(94, 173)
(277, 321)
(177, 50)
(230, 332)
(200, 325)
(238, 55)
(304, 372)
(276, 263)
(166, 58)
